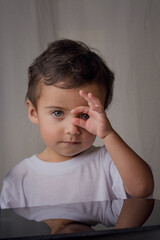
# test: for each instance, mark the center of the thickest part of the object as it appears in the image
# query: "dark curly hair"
(69, 64)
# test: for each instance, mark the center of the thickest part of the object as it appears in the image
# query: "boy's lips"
(70, 142)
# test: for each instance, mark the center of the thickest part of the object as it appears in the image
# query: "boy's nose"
(72, 129)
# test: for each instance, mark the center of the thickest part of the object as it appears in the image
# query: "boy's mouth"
(70, 142)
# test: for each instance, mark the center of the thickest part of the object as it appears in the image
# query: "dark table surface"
(116, 219)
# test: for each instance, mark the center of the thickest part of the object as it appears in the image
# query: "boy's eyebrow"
(51, 107)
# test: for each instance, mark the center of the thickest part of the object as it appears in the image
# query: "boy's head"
(69, 64)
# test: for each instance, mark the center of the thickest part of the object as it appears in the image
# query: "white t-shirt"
(90, 176)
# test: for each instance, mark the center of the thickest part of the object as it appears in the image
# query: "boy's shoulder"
(99, 155)
(20, 168)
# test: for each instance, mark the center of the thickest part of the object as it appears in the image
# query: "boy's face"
(63, 140)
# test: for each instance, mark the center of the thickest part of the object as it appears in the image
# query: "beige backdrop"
(127, 33)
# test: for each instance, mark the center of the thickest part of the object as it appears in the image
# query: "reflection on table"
(74, 217)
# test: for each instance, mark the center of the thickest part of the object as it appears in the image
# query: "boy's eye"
(85, 116)
(58, 114)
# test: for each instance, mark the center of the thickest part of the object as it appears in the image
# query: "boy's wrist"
(108, 132)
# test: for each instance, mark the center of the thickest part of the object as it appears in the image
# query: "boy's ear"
(32, 113)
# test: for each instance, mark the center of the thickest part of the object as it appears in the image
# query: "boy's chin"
(73, 154)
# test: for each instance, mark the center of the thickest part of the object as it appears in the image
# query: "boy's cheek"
(89, 138)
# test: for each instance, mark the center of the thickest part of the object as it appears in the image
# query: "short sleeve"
(7, 200)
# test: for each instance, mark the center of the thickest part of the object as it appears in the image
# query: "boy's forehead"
(59, 96)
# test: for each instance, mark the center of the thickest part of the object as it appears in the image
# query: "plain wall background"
(127, 34)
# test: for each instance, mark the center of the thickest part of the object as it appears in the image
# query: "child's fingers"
(86, 97)
(80, 109)
(93, 102)
(84, 94)
(78, 122)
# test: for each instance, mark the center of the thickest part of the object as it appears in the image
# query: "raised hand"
(93, 117)
(135, 173)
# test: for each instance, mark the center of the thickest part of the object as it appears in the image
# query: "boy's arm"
(134, 212)
(134, 171)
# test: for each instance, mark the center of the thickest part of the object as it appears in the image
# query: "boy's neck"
(51, 156)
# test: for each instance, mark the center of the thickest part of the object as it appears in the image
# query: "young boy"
(70, 87)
